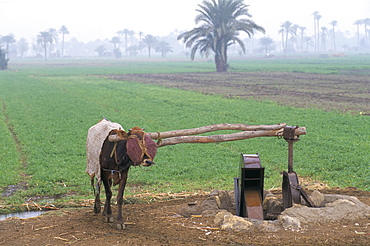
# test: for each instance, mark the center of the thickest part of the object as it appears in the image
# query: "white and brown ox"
(118, 152)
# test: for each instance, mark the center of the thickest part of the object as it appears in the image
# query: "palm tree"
(302, 29)
(333, 24)
(115, 40)
(316, 16)
(222, 21)
(125, 32)
(308, 41)
(163, 47)
(8, 39)
(100, 49)
(267, 44)
(281, 31)
(324, 32)
(22, 46)
(287, 29)
(366, 22)
(63, 30)
(131, 33)
(294, 36)
(54, 37)
(358, 23)
(150, 41)
(116, 51)
(140, 38)
(133, 50)
(43, 39)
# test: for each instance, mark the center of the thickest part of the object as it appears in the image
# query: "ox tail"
(96, 188)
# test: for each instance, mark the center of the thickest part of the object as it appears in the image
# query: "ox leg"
(97, 207)
(107, 212)
(122, 185)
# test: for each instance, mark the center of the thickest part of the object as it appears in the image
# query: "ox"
(120, 151)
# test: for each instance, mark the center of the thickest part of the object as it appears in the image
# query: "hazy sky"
(90, 20)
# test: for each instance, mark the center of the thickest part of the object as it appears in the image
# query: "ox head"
(140, 148)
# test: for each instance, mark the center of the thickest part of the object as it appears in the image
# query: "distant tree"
(22, 46)
(54, 38)
(44, 39)
(308, 41)
(36, 48)
(150, 41)
(267, 44)
(115, 40)
(316, 19)
(3, 59)
(358, 23)
(134, 50)
(163, 47)
(101, 50)
(8, 39)
(63, 30)
(366, 22)
(324, 35)
(222, 21)
(131, 34)
(141, 34)
(294, 38)
(117, 53)
(281, 32)
(302, 29)
(287, 29)
(125, 32)
(334, 24)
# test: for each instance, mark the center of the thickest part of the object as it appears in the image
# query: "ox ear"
(117, 135)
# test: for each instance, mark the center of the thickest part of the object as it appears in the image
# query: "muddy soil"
(160, 224)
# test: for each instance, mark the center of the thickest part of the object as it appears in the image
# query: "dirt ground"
(160, 224)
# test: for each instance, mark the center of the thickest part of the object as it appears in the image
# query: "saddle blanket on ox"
(94, 142)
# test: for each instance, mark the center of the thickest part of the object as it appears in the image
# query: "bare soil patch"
(159, 224)
(346, 92)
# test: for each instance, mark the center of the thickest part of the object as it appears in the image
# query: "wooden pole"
(215, 127)
(248, 131)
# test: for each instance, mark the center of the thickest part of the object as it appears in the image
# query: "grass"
(51, 106)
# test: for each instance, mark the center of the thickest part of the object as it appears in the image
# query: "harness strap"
(112, 172)
(114, 152)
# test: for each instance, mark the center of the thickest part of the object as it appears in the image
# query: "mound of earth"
(159, 223)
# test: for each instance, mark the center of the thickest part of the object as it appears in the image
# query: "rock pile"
(329, 208)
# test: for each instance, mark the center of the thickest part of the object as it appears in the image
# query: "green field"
(47, 108)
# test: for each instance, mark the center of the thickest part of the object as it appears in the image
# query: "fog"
(91, 24)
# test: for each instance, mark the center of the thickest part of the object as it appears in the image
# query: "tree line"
(294, 37)
(220, 25)
(46, 41)
(148, 41)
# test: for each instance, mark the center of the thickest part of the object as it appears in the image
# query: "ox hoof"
(109, 219)
(97, 210)
(121, 226)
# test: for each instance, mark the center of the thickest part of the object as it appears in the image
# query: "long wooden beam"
(215, 127)
(248, 131)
